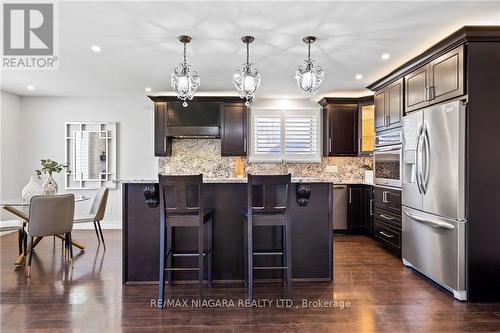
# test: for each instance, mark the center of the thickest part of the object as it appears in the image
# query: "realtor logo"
(29, 36)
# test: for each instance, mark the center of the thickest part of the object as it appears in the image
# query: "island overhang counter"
(311, 229)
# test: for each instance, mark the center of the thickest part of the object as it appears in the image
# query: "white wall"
(10, 145)
(43, 118)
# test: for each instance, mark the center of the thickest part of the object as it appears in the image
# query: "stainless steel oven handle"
(431, 222)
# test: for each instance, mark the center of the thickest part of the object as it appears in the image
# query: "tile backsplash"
(195, 156)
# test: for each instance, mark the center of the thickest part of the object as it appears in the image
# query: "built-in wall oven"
(388, 158)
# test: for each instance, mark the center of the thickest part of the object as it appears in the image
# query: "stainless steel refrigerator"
(434, 216)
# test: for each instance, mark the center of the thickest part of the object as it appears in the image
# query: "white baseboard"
(86, 226)
(104, 225)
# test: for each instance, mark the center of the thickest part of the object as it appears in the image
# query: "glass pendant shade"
(247, 79)
(309, 77)
(185, 81)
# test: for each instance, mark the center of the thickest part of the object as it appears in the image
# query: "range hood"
(190, 132)
(197, 120)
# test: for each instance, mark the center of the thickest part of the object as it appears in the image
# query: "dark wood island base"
(311, 228)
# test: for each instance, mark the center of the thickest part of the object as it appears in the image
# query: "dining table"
(20, 208)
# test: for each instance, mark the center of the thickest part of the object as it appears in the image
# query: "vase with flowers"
(49, 166)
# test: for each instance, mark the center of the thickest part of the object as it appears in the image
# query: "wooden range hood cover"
(200, 119)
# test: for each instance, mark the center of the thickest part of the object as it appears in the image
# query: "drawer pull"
(386, 234)
(387, 217)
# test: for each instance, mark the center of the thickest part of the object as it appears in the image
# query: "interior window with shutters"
(290, 135)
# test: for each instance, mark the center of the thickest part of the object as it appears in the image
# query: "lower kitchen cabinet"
(388, 235)
(387, 218)
(355, 208)
(368, 206)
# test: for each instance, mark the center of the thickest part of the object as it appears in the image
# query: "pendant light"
(308, 76)
(185, 81)
(247, 78)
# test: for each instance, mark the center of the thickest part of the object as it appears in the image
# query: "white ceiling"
(140, 48)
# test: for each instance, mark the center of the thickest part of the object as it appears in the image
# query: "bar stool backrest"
(268, 194)
(181, 195)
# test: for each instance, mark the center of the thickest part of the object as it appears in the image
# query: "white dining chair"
(96, 213)
(51, 215)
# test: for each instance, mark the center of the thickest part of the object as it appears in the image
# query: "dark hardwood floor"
(383, 296)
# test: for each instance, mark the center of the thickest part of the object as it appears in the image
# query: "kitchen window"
(290, 135)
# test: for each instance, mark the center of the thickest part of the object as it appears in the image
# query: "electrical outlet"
(331, 168)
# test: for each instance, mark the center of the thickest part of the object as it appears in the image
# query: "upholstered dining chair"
(96, 213)
(51, 215)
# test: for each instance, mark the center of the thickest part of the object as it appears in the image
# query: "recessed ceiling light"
(358, 76)
(147, 89)
(385, 56)
(95, 48)
(30, 87)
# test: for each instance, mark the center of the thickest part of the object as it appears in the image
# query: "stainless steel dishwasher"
(339, 207)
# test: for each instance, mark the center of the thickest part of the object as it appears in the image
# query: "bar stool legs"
(286, 260)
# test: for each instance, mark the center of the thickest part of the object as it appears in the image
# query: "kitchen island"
(311, 228)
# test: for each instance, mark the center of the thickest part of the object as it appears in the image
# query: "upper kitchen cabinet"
(340, 126)
(162, 143)
(389, 106)
(439, 80)
(366, 126)
(234, 129)
(203, 118)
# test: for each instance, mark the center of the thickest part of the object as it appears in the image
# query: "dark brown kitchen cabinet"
(389, 106)
(388, 199)
(368, 206)
(355, 211)
(416, 84)
(440, 80)
(379, 110)
(340, 127)
(234, 129)
(162, 143)
(387, 218)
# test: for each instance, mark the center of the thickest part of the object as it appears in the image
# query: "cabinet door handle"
(350, 195)
(330, 145)
(164, 143)
(431, 93)
(385, 195)
(371, 207)
(386, 217)
(426, 97)
(244, 144)
(386, 234)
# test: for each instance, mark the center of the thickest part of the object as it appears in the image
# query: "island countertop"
(231, 180)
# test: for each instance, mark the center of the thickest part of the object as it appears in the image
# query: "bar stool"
(181, 205)
(267, 215)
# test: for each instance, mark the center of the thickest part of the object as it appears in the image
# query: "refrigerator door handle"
(427, 153)
(418, 164)
(431, 222)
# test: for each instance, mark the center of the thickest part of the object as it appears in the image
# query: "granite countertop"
(244, 180)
